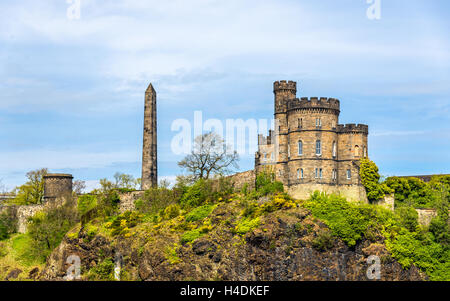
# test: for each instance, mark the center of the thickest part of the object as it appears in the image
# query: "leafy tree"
(408, 217)
(124, 181)
(47, 228)
(32, 192)
(8, 224)
(370, 178)
(210, 156)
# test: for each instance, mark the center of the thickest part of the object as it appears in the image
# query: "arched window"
(300, 123)
(298, 174)
(300, 148)
(365, 151)
(289, 150)
(318, 148)
(357, 154)
(334, 149)
(349, 174)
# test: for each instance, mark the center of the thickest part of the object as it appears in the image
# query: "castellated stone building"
(149, 149)
(309, 150)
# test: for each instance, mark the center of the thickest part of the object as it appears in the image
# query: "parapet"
(314, 102)
(285, 85)
(353, 128)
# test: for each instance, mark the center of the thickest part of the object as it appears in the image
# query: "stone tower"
(149, 150)
(57, 185)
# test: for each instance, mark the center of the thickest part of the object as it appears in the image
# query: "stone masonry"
(149, 149)
(309, 150)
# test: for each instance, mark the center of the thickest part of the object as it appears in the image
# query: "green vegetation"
(32, 191)
(408, 242)
(104, 271)
(246, 225)
(324, 241)
(47, 229)
(199, 213)
(121, 224)
(8, 224)
(370, 178)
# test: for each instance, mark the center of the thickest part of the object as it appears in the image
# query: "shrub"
(121, 224)
(324, 241)
(86, 203)
(246, 225)
(266, 184)
(370, 178)
(346, 220)
(171, 211)
(157, 199)
(190, 236)
(197, 194)
(199, 213)
(47, 229)
(8, 224)
(408, 217)
(104, 271)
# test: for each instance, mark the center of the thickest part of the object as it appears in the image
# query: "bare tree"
(79, 186)
(210, 156)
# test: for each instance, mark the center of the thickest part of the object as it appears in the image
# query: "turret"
(283, 90)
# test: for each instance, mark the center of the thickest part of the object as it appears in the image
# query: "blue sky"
(71, 91)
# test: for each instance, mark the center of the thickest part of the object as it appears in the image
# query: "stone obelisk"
(149, 151)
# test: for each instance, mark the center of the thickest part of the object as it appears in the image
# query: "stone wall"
(353, 193)
(24, 213)
(387, 202)
(426, 215)
(242, 178)
(127, 200)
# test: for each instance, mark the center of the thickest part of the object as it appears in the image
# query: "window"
(365, 151)
(320, 173)
(334, 175)
(265, 156)
(318, 148)
(271, 156)
(357, 154)
(318, 122)
(317, 173)
(289, 150)
(300, 123)
(334, 149)
(300, 148)
(349, 174)
(301, 173)
(298, 173)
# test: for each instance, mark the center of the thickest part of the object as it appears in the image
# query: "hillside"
(286, 244)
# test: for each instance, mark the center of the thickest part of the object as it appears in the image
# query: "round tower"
(313, 141)
(284, 91)
(57, 185)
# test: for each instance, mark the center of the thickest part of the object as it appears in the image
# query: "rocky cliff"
(287, 244)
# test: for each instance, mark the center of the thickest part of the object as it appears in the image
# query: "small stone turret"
(57, 185)
(284, 91)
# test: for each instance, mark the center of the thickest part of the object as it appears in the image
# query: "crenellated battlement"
(314, 102)
(353, 128)
(285, 85)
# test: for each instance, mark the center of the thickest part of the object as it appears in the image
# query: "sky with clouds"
(72, 90)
